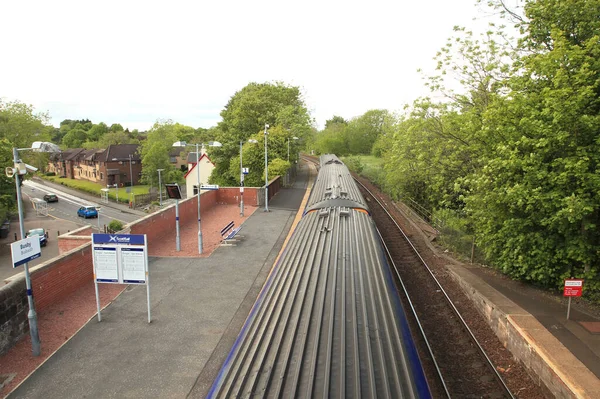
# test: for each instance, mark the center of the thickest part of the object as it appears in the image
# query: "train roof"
(328, 322)
(334, 187)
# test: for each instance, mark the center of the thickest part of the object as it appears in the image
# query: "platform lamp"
(20, 169)
(198, 145)
(242, 177)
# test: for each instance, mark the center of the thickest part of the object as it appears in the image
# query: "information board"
(120, 258)
(105, 264)
(573, 287)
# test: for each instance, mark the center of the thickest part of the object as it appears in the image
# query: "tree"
(75, 138)
(155, 153)
(96, 132)
(535, 204)
(335, 120)
(116, 127)
(21, 126)
(279, 105)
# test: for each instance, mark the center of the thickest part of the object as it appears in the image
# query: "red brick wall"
(159, 224)
(74, 239)
(231, 195)
(56, 280)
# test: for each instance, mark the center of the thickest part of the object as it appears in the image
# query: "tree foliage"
(245, 115)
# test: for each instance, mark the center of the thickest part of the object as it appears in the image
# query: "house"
(191, 177)
(176, 159)
(120, 164)
(60, 162)
(86, 165)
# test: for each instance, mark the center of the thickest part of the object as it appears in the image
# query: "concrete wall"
(55, 279)
(13, 314)
(525, 338)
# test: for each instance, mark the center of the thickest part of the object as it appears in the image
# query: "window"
(101, 176)
(173, 159)
(195, 189)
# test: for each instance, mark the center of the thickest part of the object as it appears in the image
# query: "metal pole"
(266, 172)
(159, 188)
(131, 184)
(177, 241)
(569, 309)
(117, 187)
(199, 218)
(31, 315)
(241, 183)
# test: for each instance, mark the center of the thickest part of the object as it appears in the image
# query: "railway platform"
(200, 304)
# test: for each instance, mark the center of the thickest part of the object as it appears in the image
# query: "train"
(328, 321)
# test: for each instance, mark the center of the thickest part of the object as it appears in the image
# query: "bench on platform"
(229, 234)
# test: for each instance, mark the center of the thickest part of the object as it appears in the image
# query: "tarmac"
(198, 306)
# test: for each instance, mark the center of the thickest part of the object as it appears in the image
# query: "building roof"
(176, 151)
(71, 154)
(120, 152)
(194, 164)
(191, 158)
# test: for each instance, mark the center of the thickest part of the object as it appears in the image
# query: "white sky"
(133, 62)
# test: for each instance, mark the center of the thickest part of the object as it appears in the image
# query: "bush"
(115, 226)
(49, 174)
(354, 164)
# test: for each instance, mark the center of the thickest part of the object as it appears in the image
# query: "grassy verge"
(94, 188)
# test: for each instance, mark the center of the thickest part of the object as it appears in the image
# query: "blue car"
(87, 212)
(41, 233)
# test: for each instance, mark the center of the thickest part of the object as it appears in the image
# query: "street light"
(266, 171)
(20, 168)
(242, 177)
(159, 187)
(210, 144)
(131, 183)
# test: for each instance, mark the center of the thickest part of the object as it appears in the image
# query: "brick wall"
(74, 239)
(55, 279)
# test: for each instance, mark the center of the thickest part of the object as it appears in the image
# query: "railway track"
(456, 364)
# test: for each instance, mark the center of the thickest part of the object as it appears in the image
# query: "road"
(61, 218)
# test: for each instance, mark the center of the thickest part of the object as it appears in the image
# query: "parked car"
(51, 198)
(41, 233)
(87, 212)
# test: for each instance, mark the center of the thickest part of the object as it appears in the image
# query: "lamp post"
(241, 182)
(242, 177)
(131, 182)
(159, 188)
(266, 171)
(20, 169)
(210, 144)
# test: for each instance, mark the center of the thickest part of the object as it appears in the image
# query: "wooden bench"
(229, 234)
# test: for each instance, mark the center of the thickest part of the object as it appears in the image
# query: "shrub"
(115, 225)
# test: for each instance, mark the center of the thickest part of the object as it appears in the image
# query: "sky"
(136, 62)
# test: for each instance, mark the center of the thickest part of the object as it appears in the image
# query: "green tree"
(75, 138)
(279, 105)
(155, 154)
(20, 125)
(96, 132)
(116, 127)
(535, 204)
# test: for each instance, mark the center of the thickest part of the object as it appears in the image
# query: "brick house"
(118, 163)
(87, 166)
(177, 157)
(63, 163)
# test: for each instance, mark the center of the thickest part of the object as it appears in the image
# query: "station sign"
(573, 287)
(25, 250)
(209, 187)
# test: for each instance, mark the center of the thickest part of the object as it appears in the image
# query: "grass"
(94, 188)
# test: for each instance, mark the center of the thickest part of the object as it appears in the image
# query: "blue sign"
(122, 239)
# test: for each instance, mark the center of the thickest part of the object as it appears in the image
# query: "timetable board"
(120, 258)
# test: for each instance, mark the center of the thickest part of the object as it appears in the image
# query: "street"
(62, 218)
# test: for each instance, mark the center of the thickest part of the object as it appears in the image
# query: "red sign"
(573, 287)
